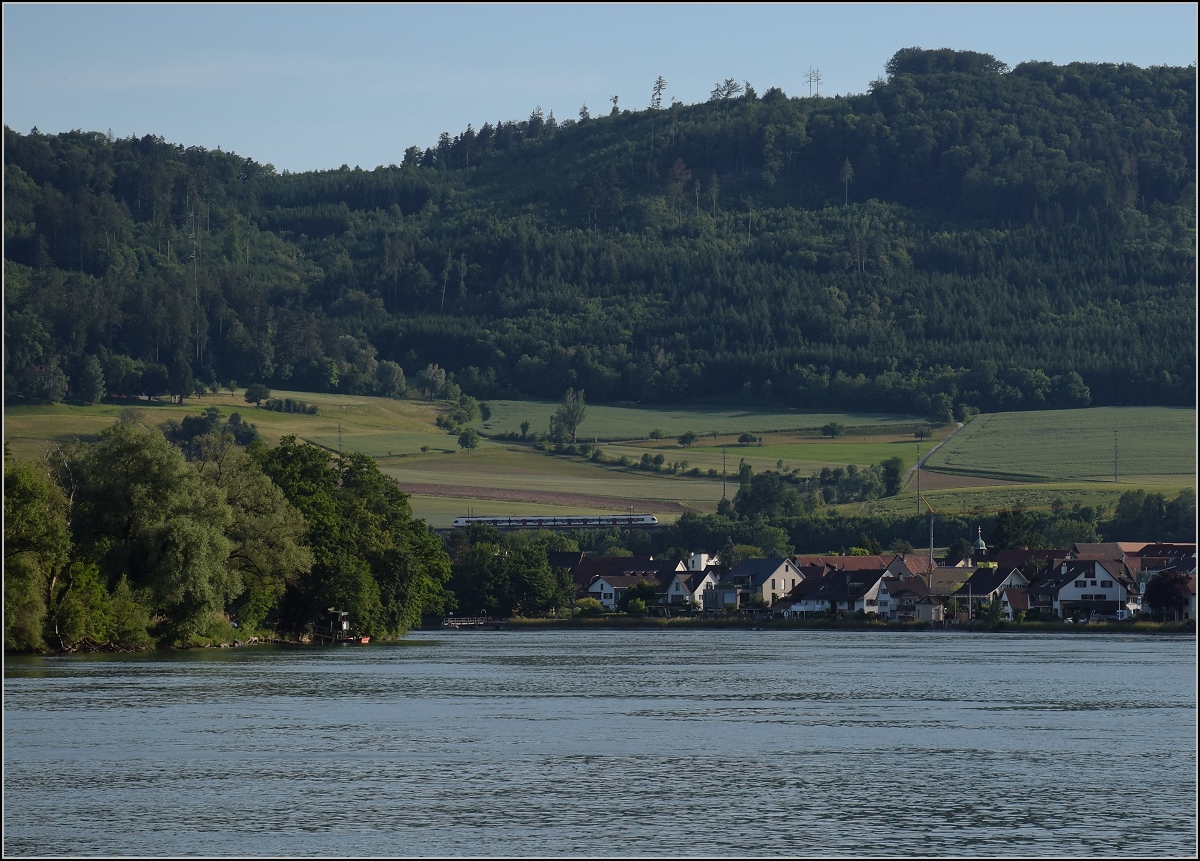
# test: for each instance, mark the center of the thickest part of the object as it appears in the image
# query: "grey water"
(593, 743)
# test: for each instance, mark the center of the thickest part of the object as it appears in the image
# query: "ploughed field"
(1030, 459)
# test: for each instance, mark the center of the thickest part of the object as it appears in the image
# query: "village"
(1087, 582)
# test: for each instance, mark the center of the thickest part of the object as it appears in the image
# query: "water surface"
(653, 742)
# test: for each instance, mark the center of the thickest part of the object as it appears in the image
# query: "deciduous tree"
(569, 415)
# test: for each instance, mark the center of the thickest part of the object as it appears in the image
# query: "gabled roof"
(946, 578)
(917, 563)
(985, 581)
(848, 563)
(669, 571)
(1108, 549)
(1009, 559)
(1053, 579)
(695, 578)
(1155, 557)
(756, 571)
(591, 567)
(900, 587)
(838, 585)
(1018, 599)
(625, 581)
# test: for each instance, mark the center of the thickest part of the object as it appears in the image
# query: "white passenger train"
(579, 521)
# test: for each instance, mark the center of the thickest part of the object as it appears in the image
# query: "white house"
(758, 580)
(1087, 586)
(609, 589)
(843, 592)
(987, 585)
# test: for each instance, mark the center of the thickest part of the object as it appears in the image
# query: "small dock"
(472, 622)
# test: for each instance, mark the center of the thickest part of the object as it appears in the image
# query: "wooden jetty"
(472, 622)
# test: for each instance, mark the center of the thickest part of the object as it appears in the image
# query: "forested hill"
(962, 235)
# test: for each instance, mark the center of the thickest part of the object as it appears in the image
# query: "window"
(1106, 584)
(1080, 584)
(1085, 597)
(772, 582)
(870, 602)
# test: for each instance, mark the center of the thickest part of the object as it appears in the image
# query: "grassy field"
(375, 426)
(990, 498)
(996, 461)
(808, 455)
(1037, 459)
(1155, 444)
(607, 423)
(490, 479)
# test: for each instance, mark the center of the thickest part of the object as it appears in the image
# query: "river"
(605, 742)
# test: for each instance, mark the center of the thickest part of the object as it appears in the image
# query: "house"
(687, 586)
(1029, 561)
(1087, 586)
(608, 589)
(896, 565)
(703, 586)
(911, 601)
(919, 564)
(1107, 549)
(585, 569)
(1015, 601)
(842, 592)
(944, 580)
(987, 585)
(701, 562)
(759, 581)
(673, 587)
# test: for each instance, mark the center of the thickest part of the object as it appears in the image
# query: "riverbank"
(696, 623)
(623, 622)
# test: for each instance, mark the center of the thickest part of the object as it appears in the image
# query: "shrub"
(588, 607)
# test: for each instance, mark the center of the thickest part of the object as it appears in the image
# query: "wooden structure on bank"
(472, 622)
(336, 629)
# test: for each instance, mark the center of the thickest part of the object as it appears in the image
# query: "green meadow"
(993, 497)
(781, 452)
(1137, 443)
(603, 423)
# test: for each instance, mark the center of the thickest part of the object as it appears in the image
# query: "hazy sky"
(315, 86)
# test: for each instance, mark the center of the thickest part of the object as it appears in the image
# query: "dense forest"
(963, 235)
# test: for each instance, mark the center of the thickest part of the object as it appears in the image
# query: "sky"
(314, 86)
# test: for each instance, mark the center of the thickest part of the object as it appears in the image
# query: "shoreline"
(1185, 627)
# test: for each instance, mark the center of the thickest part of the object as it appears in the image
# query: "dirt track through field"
(580, 500)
